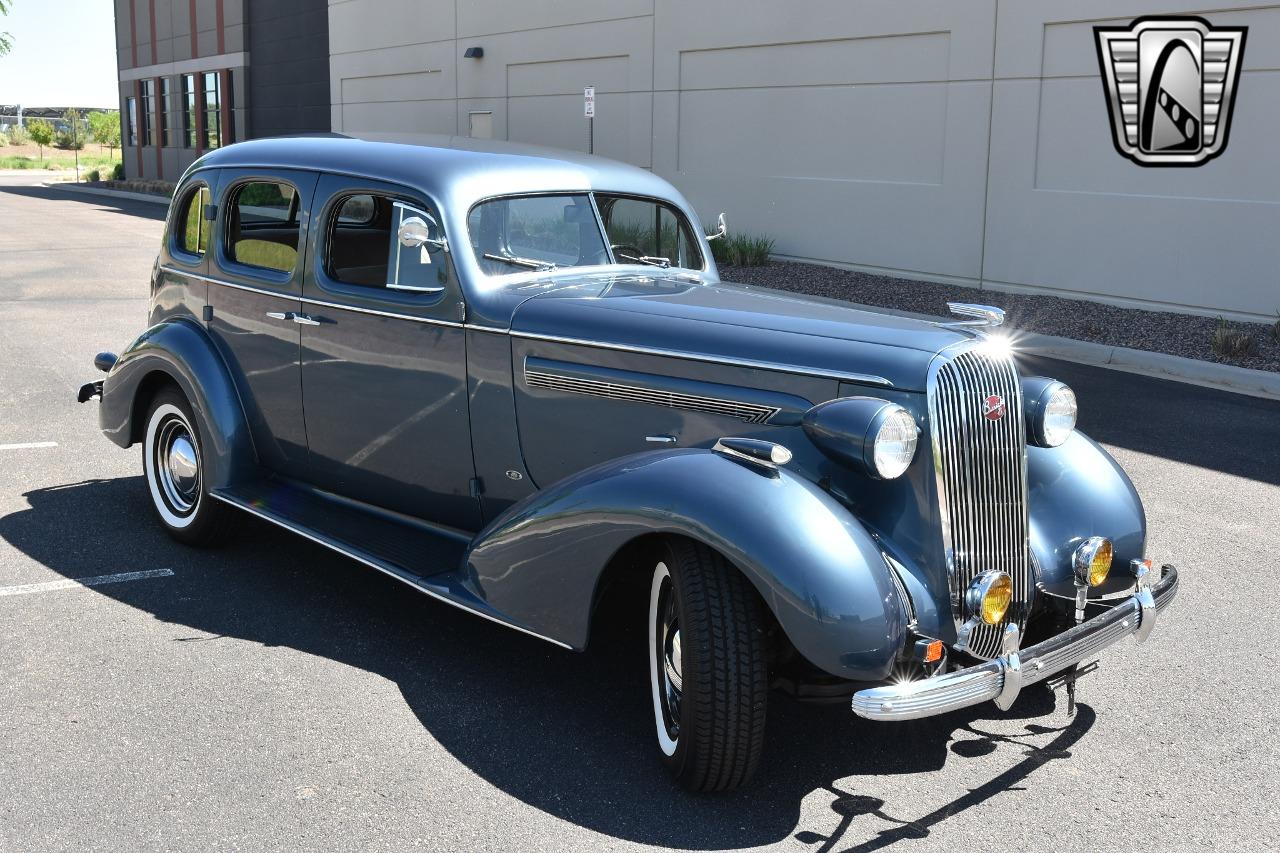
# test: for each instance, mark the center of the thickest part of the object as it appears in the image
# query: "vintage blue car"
(511, 377)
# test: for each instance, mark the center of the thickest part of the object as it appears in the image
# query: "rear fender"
(814, 564)
(179, 351)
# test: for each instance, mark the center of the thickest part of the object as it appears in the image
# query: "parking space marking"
(81, 583)
(30, 445)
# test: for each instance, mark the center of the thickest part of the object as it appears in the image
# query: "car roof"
(453, 170)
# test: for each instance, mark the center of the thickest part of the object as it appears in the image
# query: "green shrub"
(1232, 343)
(742, 250)
(117, 172)
(16, 135)
(105, 129)
(68, 141)
(95, 176)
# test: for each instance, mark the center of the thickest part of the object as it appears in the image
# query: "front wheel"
(174, 464)
(708, 672)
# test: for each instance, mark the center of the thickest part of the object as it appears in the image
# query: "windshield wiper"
(527, 263)
(648, 259)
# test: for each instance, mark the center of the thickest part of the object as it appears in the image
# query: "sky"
(64, 54)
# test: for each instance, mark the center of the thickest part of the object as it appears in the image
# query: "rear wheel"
(708, 672)
(174, 464)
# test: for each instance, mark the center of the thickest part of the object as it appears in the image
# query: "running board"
(433, 560)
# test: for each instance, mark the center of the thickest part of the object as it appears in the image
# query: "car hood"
(734, 322)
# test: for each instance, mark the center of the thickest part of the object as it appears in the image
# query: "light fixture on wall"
(473, 53)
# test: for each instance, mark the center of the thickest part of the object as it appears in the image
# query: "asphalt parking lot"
(273, 696)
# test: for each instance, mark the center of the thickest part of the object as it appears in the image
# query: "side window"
(376, 241)
(262, 226)
(643, 229)
(191, 229)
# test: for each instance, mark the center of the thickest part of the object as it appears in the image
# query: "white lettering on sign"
(589, 102)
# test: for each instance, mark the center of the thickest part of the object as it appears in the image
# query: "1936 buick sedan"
(511, 378)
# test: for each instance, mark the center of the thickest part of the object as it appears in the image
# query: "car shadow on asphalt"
(567, 733)
(129, 207)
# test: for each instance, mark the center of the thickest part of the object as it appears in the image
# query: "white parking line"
(81, 583)
(30, 445)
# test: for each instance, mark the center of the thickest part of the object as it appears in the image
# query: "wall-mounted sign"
(589, 102)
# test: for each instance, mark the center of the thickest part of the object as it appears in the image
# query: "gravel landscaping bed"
(1156, 331)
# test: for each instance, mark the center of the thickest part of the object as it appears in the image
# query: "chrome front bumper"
(1001, 678)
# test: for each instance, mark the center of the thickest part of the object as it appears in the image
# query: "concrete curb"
(1207, 374)
(76, 188)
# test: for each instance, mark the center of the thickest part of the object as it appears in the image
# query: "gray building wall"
(957, 140)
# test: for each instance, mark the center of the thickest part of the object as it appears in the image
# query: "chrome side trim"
(376, 564)
(752, 413)
(323, 303)
(864, 378)
(1000, 679)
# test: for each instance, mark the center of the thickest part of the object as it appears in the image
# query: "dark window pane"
(131, 115)
(189, 110)
(263, 226)
(642, 228)
(358, 240)
(212, 110)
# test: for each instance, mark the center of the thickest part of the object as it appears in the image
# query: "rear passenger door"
(384, 368)
(254, 293)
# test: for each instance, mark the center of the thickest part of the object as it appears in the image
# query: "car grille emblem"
(993, 407)
(1170, 83)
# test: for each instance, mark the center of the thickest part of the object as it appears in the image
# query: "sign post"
(589, 110)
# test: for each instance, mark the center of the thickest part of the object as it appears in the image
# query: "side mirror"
(721, 229)
(416, 229)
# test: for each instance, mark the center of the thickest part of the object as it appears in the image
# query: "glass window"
(262, 226)
(212, 110)
(358, 239)
(166, 104)
(188, 111)
(364, 246)
(523, 234)
(145, 105)
(192, 229)
(645, 231)
(131, 121)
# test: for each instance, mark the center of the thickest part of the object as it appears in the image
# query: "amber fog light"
(1092, 561)
(989, 596)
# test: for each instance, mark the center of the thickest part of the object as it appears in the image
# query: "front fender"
(814, 565)
(182, 352)
(1076, 491)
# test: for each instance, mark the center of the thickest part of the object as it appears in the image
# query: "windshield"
(523, 234)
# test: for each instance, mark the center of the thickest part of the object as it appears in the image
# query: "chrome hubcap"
(671, 689)
(178, 465)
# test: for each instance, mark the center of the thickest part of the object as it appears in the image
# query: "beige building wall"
(958, 140)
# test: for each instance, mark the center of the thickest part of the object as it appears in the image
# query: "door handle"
(304, 320)
(279, 315)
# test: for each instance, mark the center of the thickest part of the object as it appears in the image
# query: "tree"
(6, 39)
(73, 137)
(41, 133)
(105, 129)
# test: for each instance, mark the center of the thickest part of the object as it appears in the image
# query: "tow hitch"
(1068, 680)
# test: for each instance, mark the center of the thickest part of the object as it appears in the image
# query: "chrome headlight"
(989, 596)
(894, 445)
(1050, 409)
(873, 434)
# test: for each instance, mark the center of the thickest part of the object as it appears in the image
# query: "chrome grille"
(752, 413)
(981, 471)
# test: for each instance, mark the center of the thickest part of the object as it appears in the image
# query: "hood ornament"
(984, 315)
